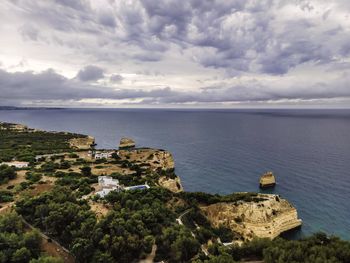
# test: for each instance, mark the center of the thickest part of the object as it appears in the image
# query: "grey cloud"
(148, 57)
(45, 85)
(260, 93)
(116, 78)
(246, 35)
(90, 73)
(29, 32)
(236, 38)
(107, 19)
(75, 4)
(50, 87)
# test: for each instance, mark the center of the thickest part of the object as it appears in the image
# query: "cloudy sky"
(171, 53)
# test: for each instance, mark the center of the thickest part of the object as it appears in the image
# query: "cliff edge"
(83, 143)
(173, 185)
(154, 158)
(267, 218)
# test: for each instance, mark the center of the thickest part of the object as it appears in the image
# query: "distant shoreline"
(242, 109)
(28, 108)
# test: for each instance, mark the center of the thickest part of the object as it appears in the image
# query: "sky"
(171, 53)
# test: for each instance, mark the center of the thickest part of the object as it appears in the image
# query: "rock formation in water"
(265, 219)
(267, 180)
(126, 143)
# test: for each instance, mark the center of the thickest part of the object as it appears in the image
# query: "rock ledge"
(265, 219)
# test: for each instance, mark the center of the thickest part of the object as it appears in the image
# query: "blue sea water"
(223, 151)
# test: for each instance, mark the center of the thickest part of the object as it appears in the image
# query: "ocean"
(224, 151)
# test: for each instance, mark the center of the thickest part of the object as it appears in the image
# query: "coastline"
(162, 161)
(145, 182)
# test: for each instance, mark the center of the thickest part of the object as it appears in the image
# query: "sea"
(225, 151)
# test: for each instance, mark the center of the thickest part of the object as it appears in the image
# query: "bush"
(33, 177)
(7, 173)
(85, 171)
(16, 244)
(5, 196)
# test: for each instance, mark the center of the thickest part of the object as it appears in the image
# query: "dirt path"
(6, 207)
(151, 256)
(52, 247)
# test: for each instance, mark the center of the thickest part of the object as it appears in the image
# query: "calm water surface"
(223, 151)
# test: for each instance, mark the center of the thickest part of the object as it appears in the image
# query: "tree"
(7, 173)
(46, 259)
(21, 255)
(32, 241)
(115, 156)
(86, 171)
(82, 249)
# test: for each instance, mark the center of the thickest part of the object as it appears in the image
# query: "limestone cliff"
(265, 219)
(154, 158)
(174, 185)
(126, 143)
(267, 180)
(14, 127)
(83, 143)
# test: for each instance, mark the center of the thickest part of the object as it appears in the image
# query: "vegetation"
(125, 234)
(25, 145)
(314, 249)
(176, 244)
(206, 198)
(136, 221)
(18, 245)
(33, 177)
(5, 196)
(7, 173)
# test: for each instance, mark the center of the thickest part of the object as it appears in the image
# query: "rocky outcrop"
(265, 219)
(153, 158)
(126, 143)
(267, 180)
(82, 143)
(14, 127)
(174, 185)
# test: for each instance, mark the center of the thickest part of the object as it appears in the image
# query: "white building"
(105, 192)
(100, 154)
(105, 181)
(16, 164)
(107, 184)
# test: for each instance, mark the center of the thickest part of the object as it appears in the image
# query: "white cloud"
(207, 52)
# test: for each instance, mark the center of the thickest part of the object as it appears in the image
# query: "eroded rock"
(153, 158)
(174, 185)
(265, 219)
(126, 143)
(83, 143)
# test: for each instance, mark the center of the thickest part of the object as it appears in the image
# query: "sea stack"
(126, 143)
(267, 180)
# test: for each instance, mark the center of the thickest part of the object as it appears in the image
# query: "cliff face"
(155, 159)
(264, 219)
(174, 185)
(83, 143)
(126, 143)
(14, 127)
(267, 179)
